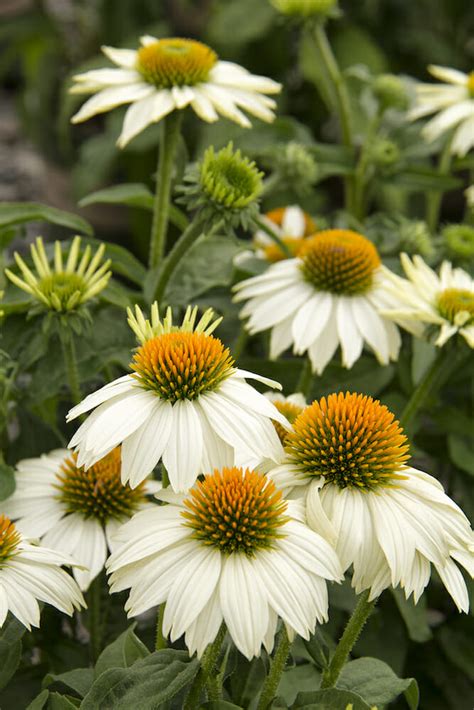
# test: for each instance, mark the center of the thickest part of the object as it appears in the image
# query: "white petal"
(371, 326)
(310, 320)
(349, 334)
(110, 98)
(321, 350)
(123, 384)
(182, 456)
(293, 223)
(126, 58)
(142, 450)
(455, 584)
(150, 109)
(205, 627)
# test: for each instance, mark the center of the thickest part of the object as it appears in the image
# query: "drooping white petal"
(110, 98)
(310, 320)
(142, 450)
(150, 109)
(182, 456)
(126, 58)
(349, 334)
(293, 223)
(112, 389)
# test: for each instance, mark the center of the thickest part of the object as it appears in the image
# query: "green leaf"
(219, 705)
(79, 680)
(207, 264)
(424, 354)
(318, 649)
(421, 179)
(461, 452)
(123, 261)
(10, 648)
(414, 616)
(332, 699)
(132, 194)
(61, 702)
(121, 653)
(298, 679)
(7, 481)
(376, 682)
(39, 702)
(455, 639)
(229, 23)
(22, 212)
(145, 685)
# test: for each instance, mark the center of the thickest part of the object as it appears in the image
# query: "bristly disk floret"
(350, 439)
(224, 185)
(305, 9)
(339, 261)
(62, 287)
(236, 511)
(97, 492)
(459, 241)
(9, 539)
(175, 62)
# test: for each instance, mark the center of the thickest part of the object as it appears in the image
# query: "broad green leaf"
(376, 682)
(61, 702)
(332, 699)
(219, 705)
(7, 481)
(461, 452)
(247, 679)
(121, 653)
(132, 194)
(10, 648)
(39, 702)
(21, 212)
(296, 680)
(79, 680)
(414, 616)
(317, 648)
(145, 685)
(207, 264)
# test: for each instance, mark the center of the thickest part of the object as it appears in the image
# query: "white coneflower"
(453, 102)
(347, 456)
(30, 574)
(444, 302)
(289, 406)
(185, 403)
(211, 564)
(72, 510)
(165, 75)
(291, 224)
(329, 295)
(67, 283)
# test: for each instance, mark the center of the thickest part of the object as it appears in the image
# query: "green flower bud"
(415, 238)
(226, 185)
(384, 153)
(390, 91)
(459, 240)
(305, 8)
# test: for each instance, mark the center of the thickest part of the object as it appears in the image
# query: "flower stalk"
(348, 639)
(430, 379)
(70, 363)
(277, 667)
(265, 227)
(170, 132)
(204, 676)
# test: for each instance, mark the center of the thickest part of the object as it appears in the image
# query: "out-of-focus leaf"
(461, 451)
(10, 648)
(39, 702)
(298, 679)
(332, 699)
(7, 481)
(62, 702)
(455, 639)
(123, 261)
(22, 212)
(133, 194)
(121, 653)
(229, 23)
(376, 682)
(148, 683)
(79, 680)
(423, 355)
(421, 179)
(246, 679)
(219, 705)
(414, 616)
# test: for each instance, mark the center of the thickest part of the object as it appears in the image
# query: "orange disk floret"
(9, 539)
(98, 491)
(290, 411)
(182, 365)
(236, 511)
(351, 440)
(276, 216)
(175, 62)
(339, 261)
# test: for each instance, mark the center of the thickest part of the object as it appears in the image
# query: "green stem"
(208, 664)
(351, 633)
(265, 227)
(432, 377)
(277, 666)
(271, 183)
(70, 363)
(306, 378)
(360, 177)
(433, 199)
(170, 132)
(94, 605)
(342, 100)
(185, 241)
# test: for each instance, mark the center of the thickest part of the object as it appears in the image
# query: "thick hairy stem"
(277, 666)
